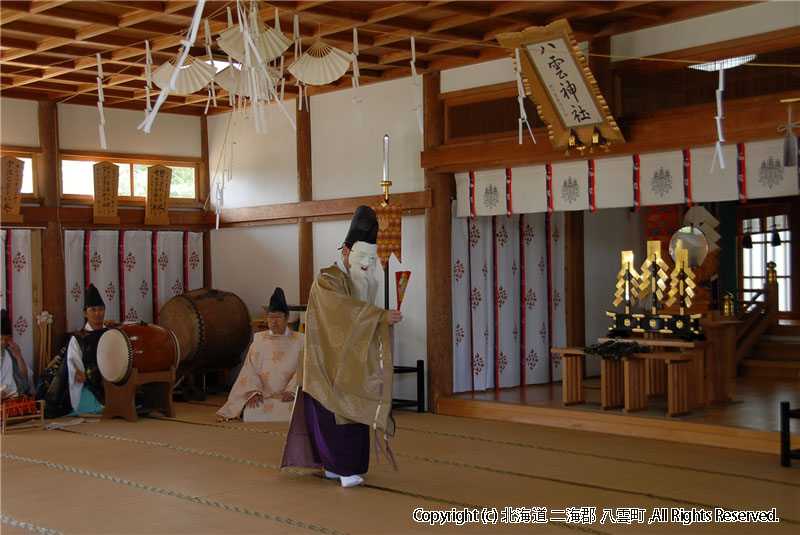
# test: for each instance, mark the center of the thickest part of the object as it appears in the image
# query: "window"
(772, 242)
(27, 169)
(77, 177)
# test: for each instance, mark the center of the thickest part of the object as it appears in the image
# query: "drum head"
(183, 319)
(114, 355)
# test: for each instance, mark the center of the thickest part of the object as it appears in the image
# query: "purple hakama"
(342, 449)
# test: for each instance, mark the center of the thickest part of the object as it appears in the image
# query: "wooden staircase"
(776, 355)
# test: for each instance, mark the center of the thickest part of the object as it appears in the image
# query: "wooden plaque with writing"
(106, 192)
(159, 179)
(555, 75)
(11, 185)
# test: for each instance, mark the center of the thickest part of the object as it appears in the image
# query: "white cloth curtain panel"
(766, 175)
(558, 312)
(75, 278)
(462, 313)
(482, 302)
(17, 291)
(536, 312)
(102, 268)
(507, 300)
(168, 267)
(193, 260)
(136, 274)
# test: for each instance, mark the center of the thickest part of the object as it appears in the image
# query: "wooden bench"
(681, 386)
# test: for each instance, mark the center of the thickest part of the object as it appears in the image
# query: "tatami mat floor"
(191, 475)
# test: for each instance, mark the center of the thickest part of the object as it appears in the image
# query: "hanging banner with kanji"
(106, 192)
(12, 183)
(390, 226)
(159, 179)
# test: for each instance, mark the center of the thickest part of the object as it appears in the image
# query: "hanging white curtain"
(462, 313)
(507, 300)
(74, 278)
(168, 267)
(17, 291)
(135, 270)
(533, 234)
(102, 268)
(193, 260)
(481, 275)
(136, 273)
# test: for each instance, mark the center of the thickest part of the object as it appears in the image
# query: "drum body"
(212, 327)
(149, 348)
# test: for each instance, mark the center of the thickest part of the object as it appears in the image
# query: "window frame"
(131, 160)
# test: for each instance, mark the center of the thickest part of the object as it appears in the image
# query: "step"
(774, 369)
(771, 349)
(785, 330)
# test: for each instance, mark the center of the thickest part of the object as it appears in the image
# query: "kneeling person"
(264, 390)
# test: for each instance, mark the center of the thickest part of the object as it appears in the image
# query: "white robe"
(75, 363)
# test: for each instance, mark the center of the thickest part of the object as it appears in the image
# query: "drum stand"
(156, 391)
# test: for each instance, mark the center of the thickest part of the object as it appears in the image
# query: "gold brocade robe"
(270, 369)
(347, 365)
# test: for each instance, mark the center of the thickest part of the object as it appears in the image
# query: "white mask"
(362, 258)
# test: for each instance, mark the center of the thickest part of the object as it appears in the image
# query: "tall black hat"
(363, 227)
(277, 303)
(5, 323)
(93, 298)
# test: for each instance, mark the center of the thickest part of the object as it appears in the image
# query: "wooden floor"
(749, 422)
(194, 476)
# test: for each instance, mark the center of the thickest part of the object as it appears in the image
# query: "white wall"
(19, 122)
(723, 26)
(264, 165)
(606, 233)
(348, 159)
(171, 135)
(252, 261)
(481, 74)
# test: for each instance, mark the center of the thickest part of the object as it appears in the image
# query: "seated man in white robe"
(264, 390)
(14, 377)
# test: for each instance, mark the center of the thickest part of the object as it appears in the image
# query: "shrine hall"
(541, 255)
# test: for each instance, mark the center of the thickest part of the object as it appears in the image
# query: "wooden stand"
(26, 420)
(635, 391)
(612, 390)
(156, 391)
(572, 374)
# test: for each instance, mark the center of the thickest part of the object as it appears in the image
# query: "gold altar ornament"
(627, 282)
(654, 275)
(11, 185)
(681, 281)
(557, 78)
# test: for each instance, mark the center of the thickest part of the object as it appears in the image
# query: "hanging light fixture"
(776, 237)
(747, 240)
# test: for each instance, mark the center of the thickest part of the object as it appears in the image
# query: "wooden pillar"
(600, 65)
(305, 236)
(49, 187)
(573, 278)
(203, 173)
(437, 253)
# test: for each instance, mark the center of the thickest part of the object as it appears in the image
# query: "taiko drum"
(148, 347)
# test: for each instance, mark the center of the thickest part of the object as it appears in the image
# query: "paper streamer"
(523, 115)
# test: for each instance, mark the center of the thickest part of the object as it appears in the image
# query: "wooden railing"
(756, 316)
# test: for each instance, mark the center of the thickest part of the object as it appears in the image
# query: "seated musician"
(72, 383)
(265, 388)
(14, 378)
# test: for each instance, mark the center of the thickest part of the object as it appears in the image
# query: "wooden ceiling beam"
(39, 29)
(80, 16)
(9, 43)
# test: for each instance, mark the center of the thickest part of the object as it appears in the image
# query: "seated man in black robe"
(72, 382)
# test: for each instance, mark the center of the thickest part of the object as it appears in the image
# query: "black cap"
(5, 323)
(277, 303)
(93, 298)
(363, 227)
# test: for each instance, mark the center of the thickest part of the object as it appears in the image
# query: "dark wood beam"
(305, 233)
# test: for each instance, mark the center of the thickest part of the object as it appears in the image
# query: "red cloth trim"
(122, 276)
(9, 281)
(472, 194)
(523, 320)
(186, 261)
(508, 192)
(591, 185)
(741, 172)
(496, 308)
(549, 183)
(687, 177)
(155, 277)
(637, 202)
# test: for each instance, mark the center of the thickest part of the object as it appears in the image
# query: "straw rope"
(30, 527)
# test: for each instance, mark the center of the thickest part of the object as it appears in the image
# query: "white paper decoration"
(321, 64)
(269, 43)
(193, 76)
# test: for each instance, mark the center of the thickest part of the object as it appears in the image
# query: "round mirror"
(693, 240)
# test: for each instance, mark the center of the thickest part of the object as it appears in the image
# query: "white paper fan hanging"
(193, 76)
(269, 43)
(321, 64)
(234, 81)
